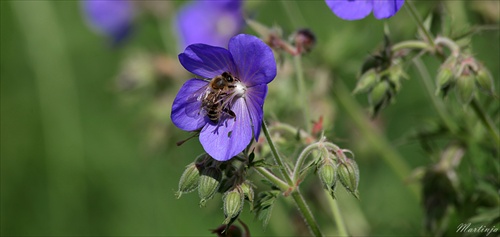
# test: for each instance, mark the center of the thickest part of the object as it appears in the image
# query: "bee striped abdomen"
(213, 113)
(216, 101)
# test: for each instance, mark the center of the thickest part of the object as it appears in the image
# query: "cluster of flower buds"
(333, 166)
(466, 74)
(381, 79)
(204, 174)
(381, 84)
(210, 176)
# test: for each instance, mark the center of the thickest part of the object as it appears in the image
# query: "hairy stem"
(485, 119)
(276, 155)
(455, 49)
(302, 157)
(297, 197)
(411, 44)
(306, 213)
(272, 178)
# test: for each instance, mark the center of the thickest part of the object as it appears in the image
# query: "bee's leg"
(230, 113)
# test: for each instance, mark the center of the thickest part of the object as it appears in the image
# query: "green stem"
(413, 12)
(455, 49)
(306, 213)
(411, 44)
(302, 92)
(271, 177)
(297, 197)
(372, 135)
(276, 155)
(337, 216)
(302, 157)
(485, 119)
(436, 103)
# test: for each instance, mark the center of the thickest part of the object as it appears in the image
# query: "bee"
(215, 97)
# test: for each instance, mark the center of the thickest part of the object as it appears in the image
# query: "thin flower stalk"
(272, 178)
(337, 216)
(297, 197)
(486, 120)
(276, 155)
(411, 44)
(302, 157)
(306, 213)
(413, 12)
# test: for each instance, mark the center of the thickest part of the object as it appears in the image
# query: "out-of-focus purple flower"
(240, 106)
(209, 22)
(359, 9)
(112, 18)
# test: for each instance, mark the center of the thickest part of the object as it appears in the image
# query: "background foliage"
(81, 155)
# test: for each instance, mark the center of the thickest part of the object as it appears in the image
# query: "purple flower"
(209, 22)
(112, 18)
(359, 9)
(227, 118)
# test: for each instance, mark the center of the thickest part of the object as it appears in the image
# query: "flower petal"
(186, 111)
(386, 9)
(112, 18)
(350, 9)
(254, 59)
(255, 102)
(209, 22)
(230, 137)
(207, 61)
(226, 4)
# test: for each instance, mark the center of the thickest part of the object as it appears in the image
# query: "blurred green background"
(80, 155)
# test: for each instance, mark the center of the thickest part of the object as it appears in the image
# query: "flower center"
(240, 90)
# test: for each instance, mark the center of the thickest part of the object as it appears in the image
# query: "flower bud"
(366, 81)
(189, 180)
(328, 175)
(378, 94)
(349, 176)
(446, 75)
(465, 87)
(484, 80)
(233, 204)
(209, 183)
(247, 190)
(396, 74)
(304, 40)
(444, 79)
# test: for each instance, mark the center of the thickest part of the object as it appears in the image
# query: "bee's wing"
(194, 100)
